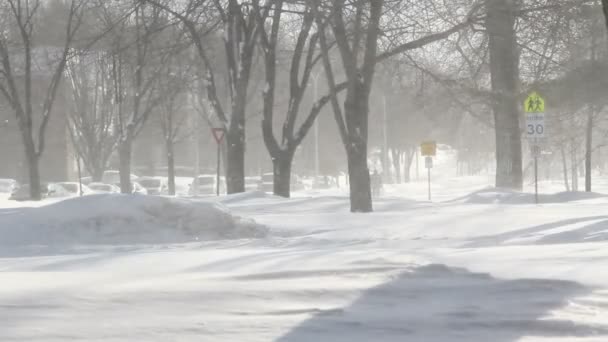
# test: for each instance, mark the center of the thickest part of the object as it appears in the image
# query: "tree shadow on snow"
(551, 233)
(490, 195)
(436, 303)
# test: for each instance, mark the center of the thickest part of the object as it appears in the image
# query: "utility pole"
(80, 192)
(194, 117)
(315, 90)
(385, 165)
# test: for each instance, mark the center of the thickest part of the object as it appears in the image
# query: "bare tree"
(173, 84)
(605, 8)
(302, 61)
(20, 83)
(240, 34)
(357, 41)
(504, 69)
(359, 73)
(91, 121)
(136, 60)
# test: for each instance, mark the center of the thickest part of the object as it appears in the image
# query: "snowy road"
(469, 269)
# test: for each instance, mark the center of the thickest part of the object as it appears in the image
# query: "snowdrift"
(244, 196)
(506, 196)
(124, 219)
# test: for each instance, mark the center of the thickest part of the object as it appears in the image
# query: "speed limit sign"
(535, 125)
(534, 107)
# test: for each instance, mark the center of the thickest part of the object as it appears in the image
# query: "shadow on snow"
(436, 303)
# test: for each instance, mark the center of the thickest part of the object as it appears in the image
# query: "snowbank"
(123, 219)
(244, 196)
(506, 196)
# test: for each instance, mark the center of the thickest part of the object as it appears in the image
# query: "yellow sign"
(428, 148)
(534, 103)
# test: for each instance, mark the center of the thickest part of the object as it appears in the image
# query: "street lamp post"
(315, 78)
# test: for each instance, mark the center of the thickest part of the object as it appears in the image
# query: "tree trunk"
(396, 154)
(407, 167)
(282, 174)
(409, 157)
(416, 154)
(589, 150)
(360, 185)
(124, 168)
(574, 166)
(565, 167)
(97, 173)
(356, 110)
(170, 168)
(33, 167)
(605, 10)
(235, 166)
(504, 68)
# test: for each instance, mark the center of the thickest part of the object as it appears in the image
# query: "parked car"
(23, 192)
(154, 185)
(205, 185)
(252, 183)
(86, 180)
(7, 186)
(113, 177)
(297, 184)
(138, 189)
(322, 182)
(67, 189)
(267, 182)
(104, 188)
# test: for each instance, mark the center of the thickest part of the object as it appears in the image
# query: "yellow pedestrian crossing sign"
(534, 103)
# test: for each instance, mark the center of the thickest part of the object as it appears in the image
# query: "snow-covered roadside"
(324, 274)
(116, 219)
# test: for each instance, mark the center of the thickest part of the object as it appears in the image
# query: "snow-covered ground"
(476, 265)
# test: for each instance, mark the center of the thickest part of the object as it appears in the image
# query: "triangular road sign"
(218, 134)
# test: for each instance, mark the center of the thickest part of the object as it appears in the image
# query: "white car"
(136, 188)
(104, 188)
(113, 177)
(252, 183)
(154, 185)
(205, 185)
(267, 183)
(67, 189)
(7, 186)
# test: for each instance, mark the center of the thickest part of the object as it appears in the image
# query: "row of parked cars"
(109, 184)
(200, 185)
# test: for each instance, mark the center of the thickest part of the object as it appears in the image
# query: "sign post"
(218, 135)
(534, 107)
(428, 150)
(79, 176)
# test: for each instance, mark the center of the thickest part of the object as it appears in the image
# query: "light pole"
(385, 166)
(315, 91)
(194, 117)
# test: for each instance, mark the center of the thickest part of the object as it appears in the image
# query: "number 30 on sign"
(535, 125)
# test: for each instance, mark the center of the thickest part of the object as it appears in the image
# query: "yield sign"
(218, 134)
